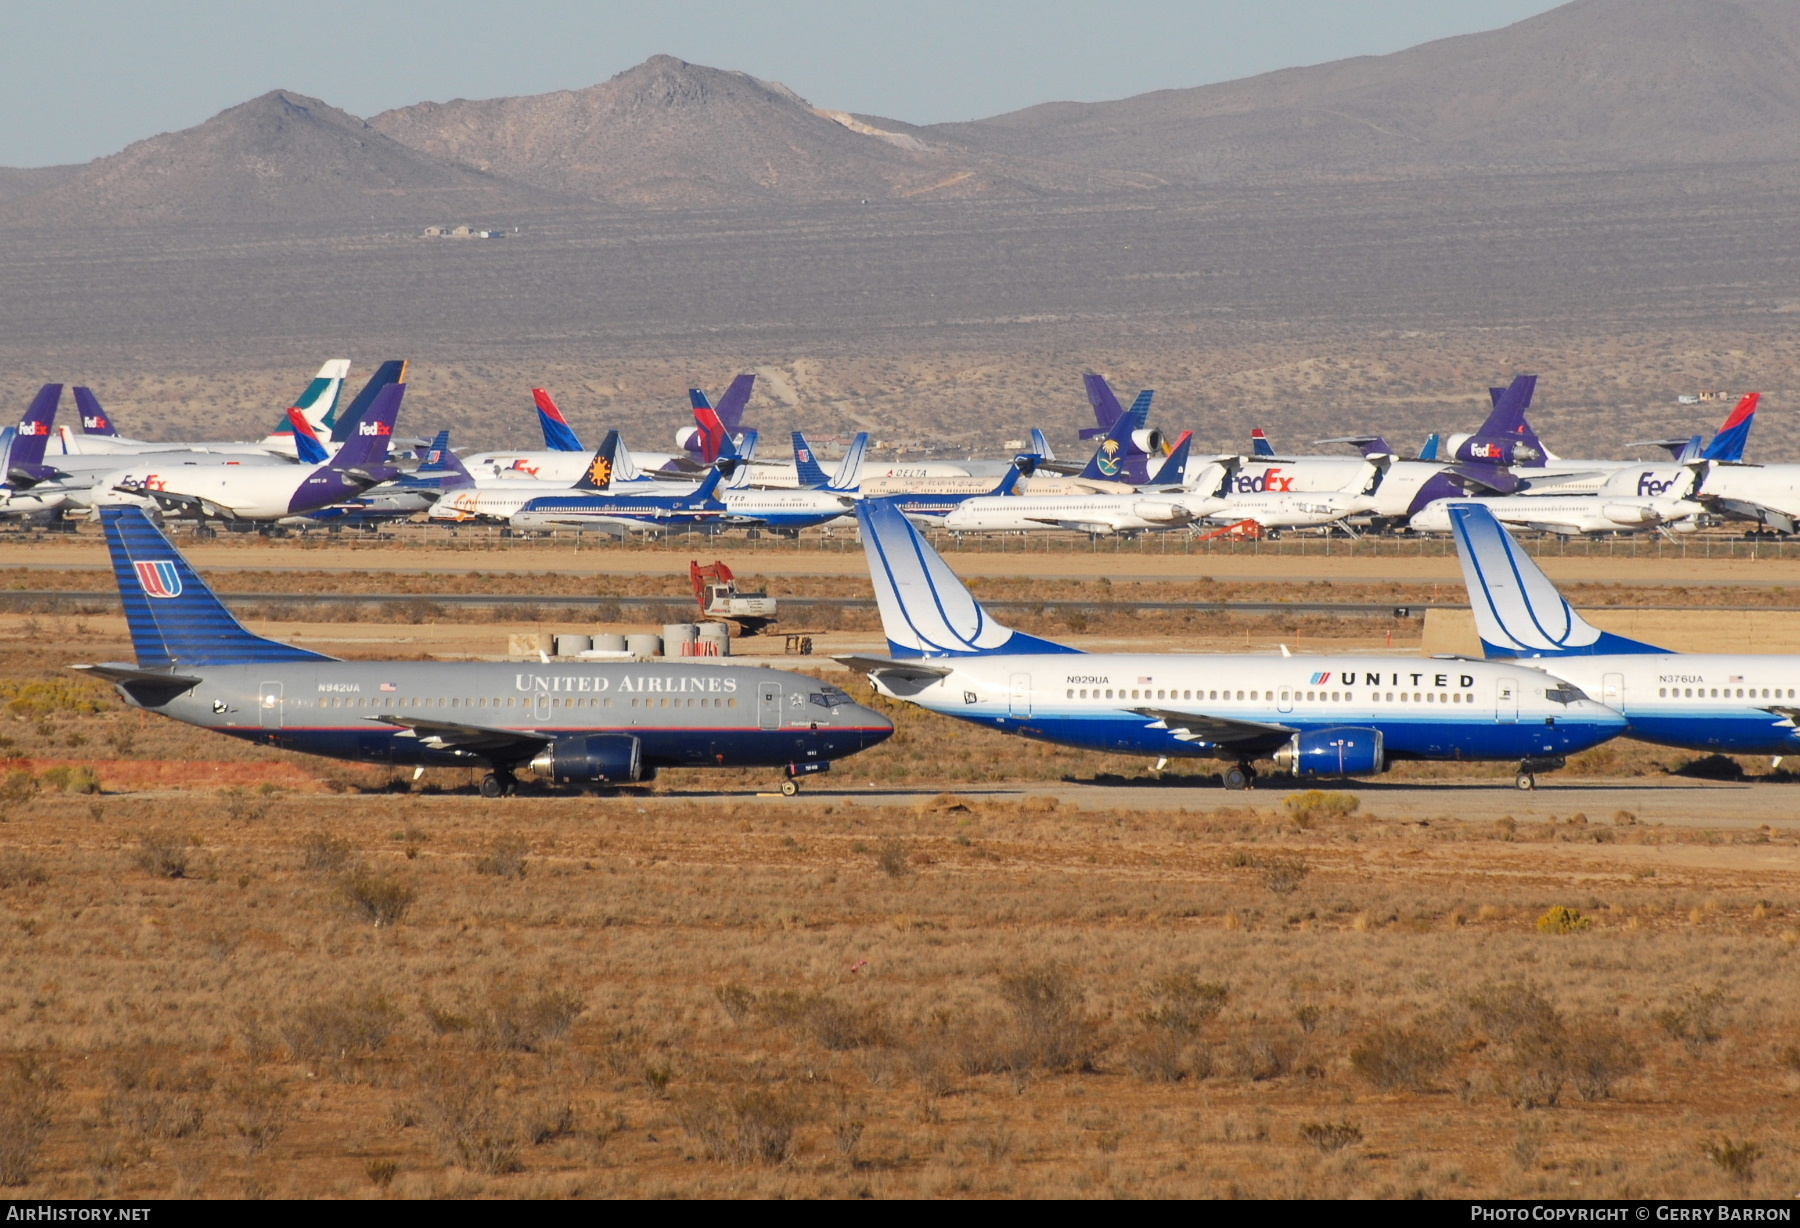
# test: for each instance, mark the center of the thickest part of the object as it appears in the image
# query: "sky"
(83, 78)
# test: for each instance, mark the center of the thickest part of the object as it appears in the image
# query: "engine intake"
(1344, 750)
(1150, 442)
(602, 758)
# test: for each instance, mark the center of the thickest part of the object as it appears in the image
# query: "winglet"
(925, 610)
(1518, 611)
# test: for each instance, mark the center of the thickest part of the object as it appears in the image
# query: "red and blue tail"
(306, 441)
(559, 436)
(1728, 444)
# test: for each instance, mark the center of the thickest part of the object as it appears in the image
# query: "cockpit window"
(1564, 694)
(829, 698)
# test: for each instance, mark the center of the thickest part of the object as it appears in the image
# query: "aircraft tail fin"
(393, 371)
(369, 436)
(1107, 410)
(94, 419)
(34, 428)
(806, 465)
(1518, 611)
(1728, 444)
(559, 436)
(849, 470)
(1019, 468)
(1174, 469)
(925, 610)
(1690, 451)
(1433, 442)
(1113, 459)
(1259, 443)
(173, 617)
(708, 489)
(1140, 409)
(306, 441)
(1040, 445)
(603, 469)
(730, 408)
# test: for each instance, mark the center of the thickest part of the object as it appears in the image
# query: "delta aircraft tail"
(1728, 444)
(559, 436)
(925, 610)
(1518, 612)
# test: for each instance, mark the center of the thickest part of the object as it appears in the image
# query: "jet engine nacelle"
(1344, 750)
(1150, 442)
(602, 758)
(1629, 513)
(688, 439)
(1161, 513)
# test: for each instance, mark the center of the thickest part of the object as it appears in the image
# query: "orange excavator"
(716, 593)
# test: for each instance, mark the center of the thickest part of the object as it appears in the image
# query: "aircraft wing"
(1073, 526)
(1785, 711)
(1553, 480)
(1775, 518)
(170, 501)
(1219, 730)
(907, 670)
(148, 686)
(1500, 481)
(453, 735)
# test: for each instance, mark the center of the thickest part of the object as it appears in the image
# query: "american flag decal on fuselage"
(159, 578)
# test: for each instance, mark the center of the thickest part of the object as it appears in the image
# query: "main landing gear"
(1240, 776)
(499, 783)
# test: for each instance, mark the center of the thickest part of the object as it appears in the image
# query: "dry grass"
(730, 998)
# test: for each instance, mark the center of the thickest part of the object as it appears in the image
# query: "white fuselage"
(237, 492)
(1080, 513)
(1570, 514)
(551, 468)
(1295, 511)
(1774, 488)
(1310, 475)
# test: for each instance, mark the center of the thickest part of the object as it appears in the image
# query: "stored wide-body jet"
(1315, 716)
(1732, 703)
(1162, 505)
(578, 724)
(562, 460)
(99, 434)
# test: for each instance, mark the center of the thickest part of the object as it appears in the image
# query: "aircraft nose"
(876, 727)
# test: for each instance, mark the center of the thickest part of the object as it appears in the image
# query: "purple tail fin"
(731, 406)
(1107, 410)
(94, 420)
(35, 426)
(368, 442)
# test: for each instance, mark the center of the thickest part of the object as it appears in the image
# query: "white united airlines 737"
(1315, 716)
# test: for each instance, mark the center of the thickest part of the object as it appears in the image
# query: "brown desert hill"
(1595, 83)
(280, 157)
(669, 133)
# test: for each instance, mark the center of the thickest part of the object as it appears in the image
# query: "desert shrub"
(380, 898)
(525, 1021)
(55, 697)
(1053, 1029)
(1317, 805)
(164, 854)
(1694, 1018)
(1158, 1055)
(893, 858)
(1599, 1055)
(1537, 1066)
(255, 1113)
(473, 1128)
(243, 807)
(736, 1000)
(1504, 1009)
(1561, 919)
(1736, 1160)
(339, 1033)
(323, 854)
(1394, 1057)
(1283, 875)
(18, 785)
(79, 778)
(18, 870)
(505, 858)
(1182, 1002)
(1260, 1053)
(28, 1094)
(751, 1126)
(831, 1023)
(151, 1100)
(1331, 1136)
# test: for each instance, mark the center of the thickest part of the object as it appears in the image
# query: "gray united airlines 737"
(580, 724)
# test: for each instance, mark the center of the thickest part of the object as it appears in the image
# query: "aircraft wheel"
(1525, 780)
(790, 788)
(493, 785)
(1237, 778)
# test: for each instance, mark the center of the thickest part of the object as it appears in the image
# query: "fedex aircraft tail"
(1259, 443)
(1106, 407)
(174, 618)
(1518, 612)
(731, 406)
(34, 428)
(393, 371)
(306, 442)
(559, 436)
(94, 420)
(925, 610)
(1728, 444)
(373, 430)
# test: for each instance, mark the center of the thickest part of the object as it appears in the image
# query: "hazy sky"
(82, 78)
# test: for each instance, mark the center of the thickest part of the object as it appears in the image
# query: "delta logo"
(159, 578)
(1320, 679)
(374, 428)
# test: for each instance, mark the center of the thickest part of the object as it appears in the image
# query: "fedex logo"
(1269, 482)
(95, 423)
(1486, 451)
(522, 466)
(1320, 679)
(374, 428)
(149, 481)
(34, 428)
(159, 578)
(1649, 484)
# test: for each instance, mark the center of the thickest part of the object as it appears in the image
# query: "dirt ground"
(960, 965)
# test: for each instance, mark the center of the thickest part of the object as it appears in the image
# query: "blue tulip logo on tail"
(159, 578)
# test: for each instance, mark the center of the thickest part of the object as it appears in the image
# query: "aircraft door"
(768, 706)
(540, 706)
(1506, 701)
(269, 703)
(1612, 691)
(1019, 697)
(1286, 702)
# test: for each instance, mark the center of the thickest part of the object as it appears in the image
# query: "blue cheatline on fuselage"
(1724, 702)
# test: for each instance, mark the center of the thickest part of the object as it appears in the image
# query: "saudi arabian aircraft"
(577, 724)
(1731, 703)
(263, 493)
(99, 434)
(1316, 716)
